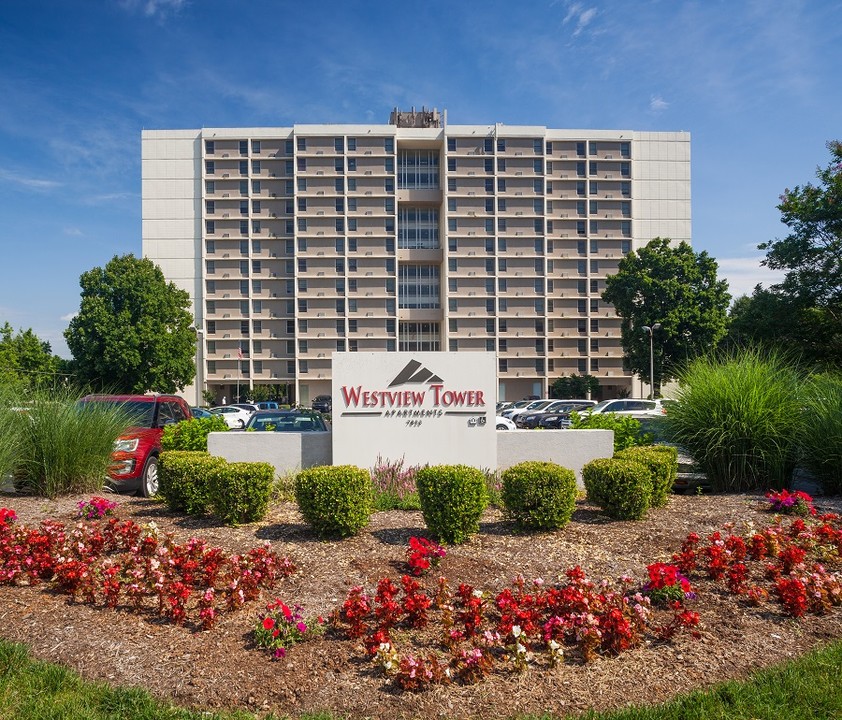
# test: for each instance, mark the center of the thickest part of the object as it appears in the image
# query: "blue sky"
(757, 84)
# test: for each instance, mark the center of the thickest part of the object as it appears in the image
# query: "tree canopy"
(803, 313)
(134, 332)
(676, 287)
(574, 387)
(26, 360)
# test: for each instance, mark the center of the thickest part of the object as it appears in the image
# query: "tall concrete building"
(296, 243)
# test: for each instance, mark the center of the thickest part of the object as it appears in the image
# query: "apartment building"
(296, 243)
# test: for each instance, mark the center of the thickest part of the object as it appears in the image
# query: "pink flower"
(302, 627)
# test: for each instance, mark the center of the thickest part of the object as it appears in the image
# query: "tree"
(575, 386)
(807, 304)
(676, 287)
(134, 331)
(26, 360)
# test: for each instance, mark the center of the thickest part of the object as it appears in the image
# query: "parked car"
(503, 405)
(322, 403)
(504, 423)
(199, 412)
(287, 421)
(532, 418)
(630, 406)
(248, 407)
(267, 405)
(519, 405)
(135, 456)
(533, 406)
(559, 418)
(235, 417)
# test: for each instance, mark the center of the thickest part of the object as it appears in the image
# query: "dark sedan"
(286, 421)
(559, 418)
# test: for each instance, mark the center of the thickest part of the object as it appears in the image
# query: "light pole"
(651, 330)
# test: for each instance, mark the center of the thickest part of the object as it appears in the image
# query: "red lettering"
(351, 395)
(418, 398)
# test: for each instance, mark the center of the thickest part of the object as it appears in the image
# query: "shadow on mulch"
(289, 532)
(586, 516)
(398, 536)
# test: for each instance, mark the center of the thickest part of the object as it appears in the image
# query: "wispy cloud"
(744, 273)
(67, 318)
(580, 15)
(73, 232)
(154, 8)
(27, 182)
(657, 104)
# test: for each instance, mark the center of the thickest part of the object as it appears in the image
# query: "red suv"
(135, 467)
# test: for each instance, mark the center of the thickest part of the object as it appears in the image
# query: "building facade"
(295, 243)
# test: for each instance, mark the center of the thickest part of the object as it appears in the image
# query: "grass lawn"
(808, 688)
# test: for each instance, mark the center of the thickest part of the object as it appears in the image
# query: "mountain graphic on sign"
(413, 373)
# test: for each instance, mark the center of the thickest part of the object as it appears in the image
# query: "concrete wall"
(293, 451)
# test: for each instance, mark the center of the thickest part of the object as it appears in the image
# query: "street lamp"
(651, 330)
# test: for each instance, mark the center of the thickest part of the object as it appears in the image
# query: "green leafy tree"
(134, 331)
(26, 361)
(804, 311)
(676, 287)
(574, 386)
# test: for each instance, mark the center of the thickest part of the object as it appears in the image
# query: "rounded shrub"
(539, 495)
(453, 498)
(239, 492)
(662, 461)
(336, 500)
(192, 434)
(183, 480)
(621, 487)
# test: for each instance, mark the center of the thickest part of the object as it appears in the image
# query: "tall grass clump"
(821, 439)
(11, 433)
(66, 447)
(739, 416)
(394, 485)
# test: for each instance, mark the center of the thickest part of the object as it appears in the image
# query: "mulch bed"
(221, 668)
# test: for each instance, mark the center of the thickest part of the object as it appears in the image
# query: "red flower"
(268, 623)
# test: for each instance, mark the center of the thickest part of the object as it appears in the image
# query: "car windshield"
(601, 405)
(140, 413)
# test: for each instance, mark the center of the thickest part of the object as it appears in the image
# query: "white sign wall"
(426, 407)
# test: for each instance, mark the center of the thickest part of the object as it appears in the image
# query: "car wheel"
(149, 479)
(241, 424)
(502, 427)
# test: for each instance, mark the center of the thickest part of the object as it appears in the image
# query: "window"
(594, 305)
(210, 167)
(580, 188)
(580, 227)
(338, 185)
(418, 286)
(255, 226)
(501, 164)
(244, 167)
(625, 150)
(419, 336)
(389, 145)
(538, 225)
(489, 185)
(501, 244)
(255, 266)
(594, 266)
(538, 207)
(503, 344)
(537, 146)
(625, 169)
(209, 147)
(451, 144)
(580, 169)
(581, 306)
(210, 227)
(210, 247)
(210, 187)
(339, 164)
(244, 287)
(625, 189)
(501, 144)
(538, 167)
(549, 148)
(625, 247)
(625, 228)
(488, 164)
(340, 224)
(594, 325)
(257, 286)
(594, 245)
(244, 227)
(580, 149)
(501, 184)
(594, 286)
(339, 204)
(302, 224)
(502, 265)
(502, 285)
(580, 208)
(538, 186)
(451, 184)
(451, 164)
(502, 304)
(503, 365)
(582, 267)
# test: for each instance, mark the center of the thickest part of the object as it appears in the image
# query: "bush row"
(194, 482)
(635, 479)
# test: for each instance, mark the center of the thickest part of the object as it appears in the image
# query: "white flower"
(516, 631)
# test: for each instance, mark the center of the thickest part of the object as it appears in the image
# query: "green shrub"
(184, 480)
(11, 431)
(453, 498)
(192, 434)
(821, 438)
(627, 432)
(662, 461)
(539, 495)
(335, 500)
(740, 417)
(621, 487)
(239, 492)
(66, 447)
